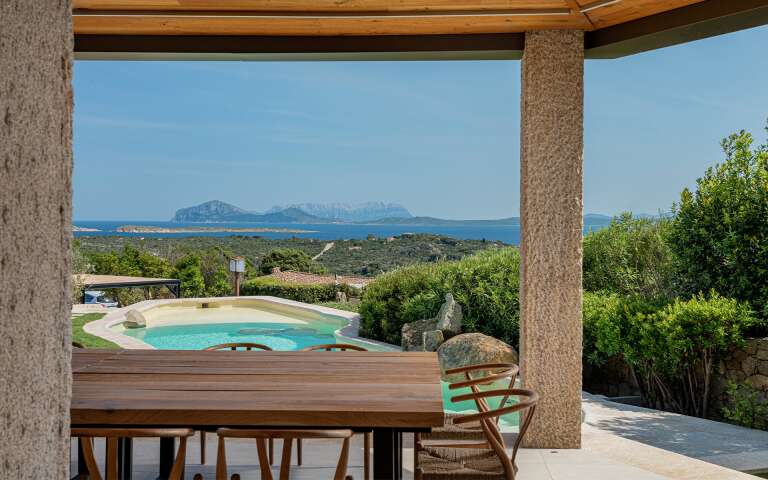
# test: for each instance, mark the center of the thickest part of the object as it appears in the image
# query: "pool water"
(277, 336)
(507, 422)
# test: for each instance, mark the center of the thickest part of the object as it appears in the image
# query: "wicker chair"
(478, 459)
(367, 436)
(86, 436)
(262, 436)
(476, 376)
(234, 346)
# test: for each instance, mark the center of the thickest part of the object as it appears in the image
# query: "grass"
(85, 339)
(347, 306)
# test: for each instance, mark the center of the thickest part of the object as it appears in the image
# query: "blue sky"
(439, 137)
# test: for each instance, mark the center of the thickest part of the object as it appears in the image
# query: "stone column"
(551, 151)
(35, 230)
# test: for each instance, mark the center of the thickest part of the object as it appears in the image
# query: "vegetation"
(485, 285)
(745, 406)
(347, 306)
(291, 291)
(291, 260)
(670, 347)
(85, 339)
(720, 232)
(368, 257)
(630, 257)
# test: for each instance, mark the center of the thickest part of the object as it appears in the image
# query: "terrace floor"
(606, 454)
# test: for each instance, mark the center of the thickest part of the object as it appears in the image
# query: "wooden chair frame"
(367, 436)
(112, 435)
(262, 436)
(328, 347)
(488, 419)
(248, 346)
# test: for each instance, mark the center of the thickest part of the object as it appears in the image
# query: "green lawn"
(85, 339)
(348, 306)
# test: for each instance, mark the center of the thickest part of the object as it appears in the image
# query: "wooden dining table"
(386, 392)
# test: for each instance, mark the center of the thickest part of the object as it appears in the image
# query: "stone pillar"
(35, 231)
(551, 151)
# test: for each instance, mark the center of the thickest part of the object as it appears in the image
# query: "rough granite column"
(35, 229)
(551, 151)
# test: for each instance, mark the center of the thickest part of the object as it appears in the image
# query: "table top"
(258, 388)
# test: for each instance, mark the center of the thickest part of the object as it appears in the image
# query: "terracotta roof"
(304, 278)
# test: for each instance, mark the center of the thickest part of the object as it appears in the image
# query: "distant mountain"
(218, 211)
(345, 212)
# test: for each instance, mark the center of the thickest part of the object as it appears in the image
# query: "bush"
(485, 285)
(290, 260)
(671, 348)
(299, 293)
(720, 232)
(631, 256)
(745, 406)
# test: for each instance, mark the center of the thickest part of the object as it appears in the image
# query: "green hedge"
(485, 285)
(299, 293)
(670, 347)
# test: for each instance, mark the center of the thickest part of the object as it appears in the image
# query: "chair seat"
(466, 464)
(451, 431)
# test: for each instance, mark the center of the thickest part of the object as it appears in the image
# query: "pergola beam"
(682, 25)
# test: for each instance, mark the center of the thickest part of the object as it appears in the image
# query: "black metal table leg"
(387, 454)
(167, 450)
(125, 458)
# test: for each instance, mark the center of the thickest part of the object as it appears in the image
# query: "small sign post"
(237, 266)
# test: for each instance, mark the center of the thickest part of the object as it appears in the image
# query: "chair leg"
(416, 450)
(202, 447)
(367, 438)
(298, 451)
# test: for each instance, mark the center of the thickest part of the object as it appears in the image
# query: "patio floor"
(605, 456)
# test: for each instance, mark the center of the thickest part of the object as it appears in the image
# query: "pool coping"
(349, 333)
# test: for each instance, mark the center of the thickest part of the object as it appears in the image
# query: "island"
(193, 229)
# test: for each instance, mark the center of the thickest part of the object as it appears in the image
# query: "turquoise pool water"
(278, 336)
(507, 422)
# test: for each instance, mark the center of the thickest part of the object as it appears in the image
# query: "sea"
(509, 234)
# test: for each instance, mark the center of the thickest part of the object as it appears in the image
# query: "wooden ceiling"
(355, 17)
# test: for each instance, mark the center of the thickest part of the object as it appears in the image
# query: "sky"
(441, 138)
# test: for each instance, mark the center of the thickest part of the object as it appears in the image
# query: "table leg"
(125, 458)
(387, 454)
(167, 450)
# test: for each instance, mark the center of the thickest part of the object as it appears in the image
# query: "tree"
(720, 231)
(214, 266)
(188, 270)
(630, 257)
(290, 259)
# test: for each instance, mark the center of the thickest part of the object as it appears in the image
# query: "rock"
(762, 367)
(341, 297)
(760, 382)
(412, 335)
(134, 319)
(749, 366)
(762, 354)
(449, 317)
(471, 349)
(432, 340)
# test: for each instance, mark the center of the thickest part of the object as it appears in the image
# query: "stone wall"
(748, 364)
(35, 231)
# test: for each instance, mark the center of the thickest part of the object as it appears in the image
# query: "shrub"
(299, 293)
(290, 259)
(485, 285)
(188, 270)
(671, 348)
(631, 256)
(720, 233)
(745, 407)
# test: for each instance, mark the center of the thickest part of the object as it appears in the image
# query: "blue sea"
(509, 234)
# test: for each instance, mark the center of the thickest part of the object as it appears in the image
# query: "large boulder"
(472, 349)
(449, 317)
(412, 334)
(134, 319)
